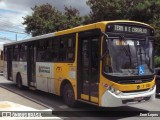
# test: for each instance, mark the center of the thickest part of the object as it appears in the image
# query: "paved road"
(93, 113)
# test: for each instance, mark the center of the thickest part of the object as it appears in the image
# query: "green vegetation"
(157, 61)
(46, 19)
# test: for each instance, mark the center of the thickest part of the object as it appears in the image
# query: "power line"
(11, 26)
(4, 18)
(12, 31)
(5, 22)
(15, 29)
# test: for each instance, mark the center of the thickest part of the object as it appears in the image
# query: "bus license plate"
(138, 98)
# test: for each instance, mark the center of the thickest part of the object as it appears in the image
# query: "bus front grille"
(134, 100)
(135, 91)
(135, 81)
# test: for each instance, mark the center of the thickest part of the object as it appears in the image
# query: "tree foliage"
(140, 10)
(46, 18)
(157, 61)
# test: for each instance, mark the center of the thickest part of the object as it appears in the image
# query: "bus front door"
(31, 66)
(88, 68)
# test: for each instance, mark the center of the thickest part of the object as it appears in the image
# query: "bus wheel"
(19, 81)
(68, 95)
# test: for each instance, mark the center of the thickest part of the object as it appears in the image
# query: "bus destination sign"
(130, 29)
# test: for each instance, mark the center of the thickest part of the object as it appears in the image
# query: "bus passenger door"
(9, 63)
(88, 68)
(31, 65)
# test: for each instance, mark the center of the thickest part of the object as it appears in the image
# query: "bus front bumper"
(110, 99)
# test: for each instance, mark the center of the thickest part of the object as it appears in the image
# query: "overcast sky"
(12, 11)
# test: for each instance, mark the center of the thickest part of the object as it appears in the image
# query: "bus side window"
(48, 50)
(55, 47)
(23, 52)
(71, 49)
(67, 48)
(40, 51)
(16, 53)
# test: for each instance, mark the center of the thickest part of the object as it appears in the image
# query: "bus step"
(32, 88)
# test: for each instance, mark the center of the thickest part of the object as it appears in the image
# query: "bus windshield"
(129, 57)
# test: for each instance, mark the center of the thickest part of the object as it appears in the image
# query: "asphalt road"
(85, 111)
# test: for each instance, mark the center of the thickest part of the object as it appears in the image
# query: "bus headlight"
(117, 92)
(113, 90)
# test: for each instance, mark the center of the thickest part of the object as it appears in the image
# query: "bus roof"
(100, 25)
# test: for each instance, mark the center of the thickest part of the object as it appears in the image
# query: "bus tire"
(69, 96)
(19, 81)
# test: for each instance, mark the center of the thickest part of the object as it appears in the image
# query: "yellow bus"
(108, 63)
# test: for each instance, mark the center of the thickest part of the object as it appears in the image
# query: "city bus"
(108, 63)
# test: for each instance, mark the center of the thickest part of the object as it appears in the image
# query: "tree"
(71, 18)
(108, 9)
(139, 10)
(46, 18)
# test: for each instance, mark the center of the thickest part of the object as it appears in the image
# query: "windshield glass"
(128, 57)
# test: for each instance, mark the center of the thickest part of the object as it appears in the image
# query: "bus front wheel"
(69, 96)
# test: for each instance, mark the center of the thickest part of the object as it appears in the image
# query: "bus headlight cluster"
(152, 88)
(117, 92)
(113, 90)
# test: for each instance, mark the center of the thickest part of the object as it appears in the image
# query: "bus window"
(55, 44)
(23, 52)
(41, 47)
(16, 53)
(67, 48)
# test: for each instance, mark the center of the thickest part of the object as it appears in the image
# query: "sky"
(13, 11)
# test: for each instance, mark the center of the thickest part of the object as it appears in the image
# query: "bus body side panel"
(20, 67)
(44, 77)
(64, 71)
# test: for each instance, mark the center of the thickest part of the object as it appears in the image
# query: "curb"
(44, 105)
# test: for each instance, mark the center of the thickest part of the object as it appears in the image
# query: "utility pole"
(16, 36)
(16, 33)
